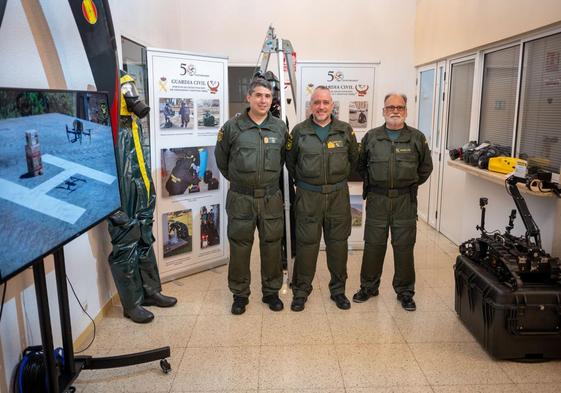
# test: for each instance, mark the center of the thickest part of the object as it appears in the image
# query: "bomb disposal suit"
(320, 167)
(133, 262)
(251, 157)
(392, 171)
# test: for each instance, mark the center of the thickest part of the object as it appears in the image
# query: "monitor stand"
(59, 382)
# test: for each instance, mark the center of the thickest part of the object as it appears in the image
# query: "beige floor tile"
(364, 328)
(447, 295)
(299, 367)
(219, 368)
(547, 372)
(393, 389)
(541, 388)
(379, 365)
(142, 378)
(507, 388)
(302, 390)
(198, 282)
(432, 326)
(443, 277)
(121, 333)
(290, 328)
(457, 364)
(226, 331)
(219, 302)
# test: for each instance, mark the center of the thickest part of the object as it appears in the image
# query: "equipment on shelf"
(504, 164)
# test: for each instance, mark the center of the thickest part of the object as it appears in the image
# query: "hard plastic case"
(521, 324)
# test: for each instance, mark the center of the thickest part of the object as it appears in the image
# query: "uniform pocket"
(378, 170)
(338, 162)
(246, 159)
(406, 167)
(273, 158)
(310, 165)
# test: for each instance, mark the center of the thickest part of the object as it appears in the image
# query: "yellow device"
(505, 164)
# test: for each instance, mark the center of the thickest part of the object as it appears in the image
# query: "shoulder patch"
(220, 135)
(288, 145)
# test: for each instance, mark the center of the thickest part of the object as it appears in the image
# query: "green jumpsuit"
(393, 171)
(251, 157)
(132, 260)
(320, 170)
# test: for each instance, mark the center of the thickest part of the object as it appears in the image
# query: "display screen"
(58, 175)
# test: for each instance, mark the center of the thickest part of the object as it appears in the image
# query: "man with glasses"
(321, 152)
(394, 160)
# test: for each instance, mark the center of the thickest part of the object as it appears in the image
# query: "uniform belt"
(256, 192)
(391, 192)
(324, 189)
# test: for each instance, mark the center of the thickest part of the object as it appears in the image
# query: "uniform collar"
(245, 122)
(336, 126)
(404, 134)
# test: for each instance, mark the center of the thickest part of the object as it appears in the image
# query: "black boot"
(159, 300)
(139, 314)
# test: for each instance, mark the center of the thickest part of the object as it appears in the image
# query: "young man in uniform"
(250, 153)
(394, 161)
(321, 152)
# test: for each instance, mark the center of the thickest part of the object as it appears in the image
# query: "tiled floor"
(373, 347)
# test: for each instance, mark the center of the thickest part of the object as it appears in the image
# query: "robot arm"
(531, 227)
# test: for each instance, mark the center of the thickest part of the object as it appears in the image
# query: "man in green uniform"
(321, 152)
(250, 153)
(394, 160)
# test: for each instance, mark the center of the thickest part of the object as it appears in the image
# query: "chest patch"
(403, 150)
(270, 139)
(334, 144)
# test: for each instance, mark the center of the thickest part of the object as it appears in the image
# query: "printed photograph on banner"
(208, 113)
(358, 114)
(356, 210)
(336, 107)
(177, 229)
(188, 170)
(210, 225)
(176, 114)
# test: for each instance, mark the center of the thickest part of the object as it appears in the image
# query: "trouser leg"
(376, 238)
(309, 219)
(123, 259)
(337, 228)
(404, 231)
(271, 224)
(146, 257)
(241, 229)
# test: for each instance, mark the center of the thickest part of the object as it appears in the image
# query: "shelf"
(493, 177)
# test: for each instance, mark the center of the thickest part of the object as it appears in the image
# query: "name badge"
(403, 150)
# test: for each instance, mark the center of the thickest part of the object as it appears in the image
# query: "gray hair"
(321, 87)
(396, 94)
(256, 82)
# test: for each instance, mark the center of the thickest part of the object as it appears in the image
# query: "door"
(425, 123)
(436, 146)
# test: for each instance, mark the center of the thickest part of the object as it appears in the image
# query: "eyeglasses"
(392, 108)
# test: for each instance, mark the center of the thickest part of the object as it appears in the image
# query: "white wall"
(447, 27)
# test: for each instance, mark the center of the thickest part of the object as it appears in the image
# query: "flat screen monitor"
(58, 175)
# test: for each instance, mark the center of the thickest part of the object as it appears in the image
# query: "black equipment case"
(521, 324)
